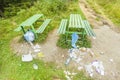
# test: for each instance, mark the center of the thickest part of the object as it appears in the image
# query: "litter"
(90, 52)
(73, 55)
(67, 61)
(78, 60)
(79, 54)
(111, 60)
(69, 75)
(27, 58)
(37, 50)
(80, 68)
(36, 46)
(74, 40)
(67, 72)
(89, 69)
(99, 67)
(35, 66)
(40, 55)
(29, 36)
(73, 74)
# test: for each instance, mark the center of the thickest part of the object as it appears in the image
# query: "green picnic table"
(29, 23)
(75, 22)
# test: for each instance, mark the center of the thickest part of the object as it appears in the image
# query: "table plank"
(29, 21)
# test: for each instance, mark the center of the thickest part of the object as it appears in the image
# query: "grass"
(109, 8)
(81, 73)
(82, 42)
(11, 66)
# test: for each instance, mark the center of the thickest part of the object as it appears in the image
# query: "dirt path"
(107, 42)
(51, 51)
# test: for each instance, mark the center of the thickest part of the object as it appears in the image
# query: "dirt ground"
(107, 42)
(106, 46)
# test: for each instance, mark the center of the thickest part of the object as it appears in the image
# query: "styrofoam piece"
(99, 67)
(89, 69)
(27, 58)
(35, 66)
(80, 68)
(37, 50)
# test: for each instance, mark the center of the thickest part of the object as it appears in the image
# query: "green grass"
(11, 66)
(109, 8)
(82, 42)
(78, 76)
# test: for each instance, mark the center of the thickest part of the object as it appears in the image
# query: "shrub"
(13, 8)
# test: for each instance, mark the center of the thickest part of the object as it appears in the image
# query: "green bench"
(43, 26)
(88, 29)
(29, 23)
(75, 21)
(62, 27)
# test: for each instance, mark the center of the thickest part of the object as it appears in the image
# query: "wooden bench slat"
(75, 21)
(92, 32)
(72, 21)
(86, 29)
(29, 21)
(76, 25)
(89, 29)
(65, 25)
(62, 27)
(43, 26)
(70, 24)
(79, 21)
(62, 24)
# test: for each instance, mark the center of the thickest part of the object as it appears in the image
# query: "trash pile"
(36, 53)
(90, 66)
(29, 36)
(95, 66)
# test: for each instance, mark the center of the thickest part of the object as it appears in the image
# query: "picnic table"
(30, 21)
(75, 22)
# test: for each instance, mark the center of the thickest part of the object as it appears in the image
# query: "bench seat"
(88, 29)
(62, 27)
(43, 26)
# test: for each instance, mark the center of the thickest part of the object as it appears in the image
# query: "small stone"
(63, 56)
(102, 53)
(111, 60)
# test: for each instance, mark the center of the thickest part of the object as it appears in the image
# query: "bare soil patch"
(107, 42)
